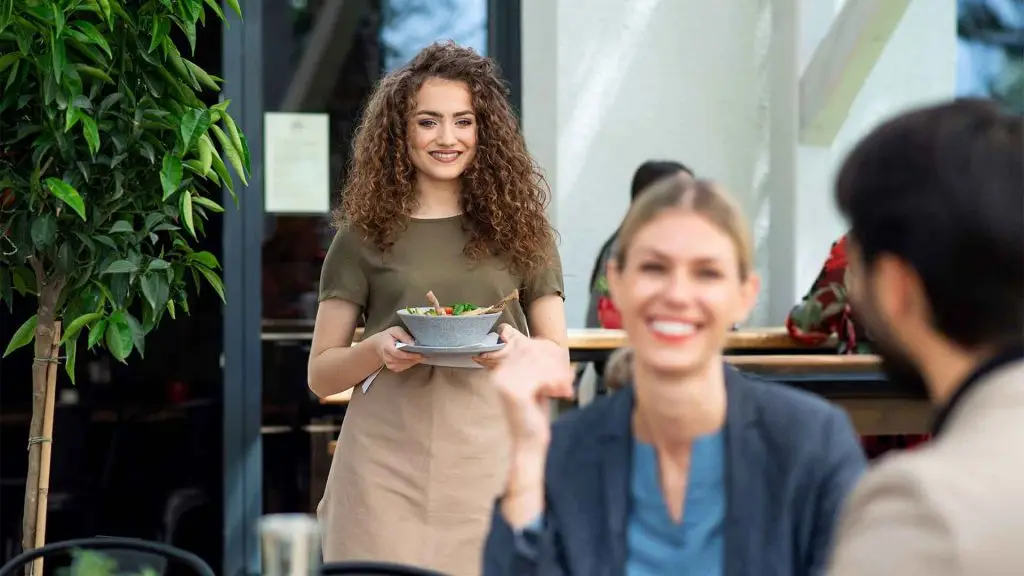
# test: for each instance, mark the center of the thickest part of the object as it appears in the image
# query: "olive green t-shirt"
(428, 256)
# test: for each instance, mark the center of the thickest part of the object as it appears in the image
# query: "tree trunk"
(44, 344)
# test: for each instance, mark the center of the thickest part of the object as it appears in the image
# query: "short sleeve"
(546, 280)
(343, 275)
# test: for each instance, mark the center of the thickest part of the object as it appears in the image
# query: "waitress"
(441, 196)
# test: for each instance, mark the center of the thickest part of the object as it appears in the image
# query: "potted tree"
(110, 162)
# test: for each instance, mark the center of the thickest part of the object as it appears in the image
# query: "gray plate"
(453, 351)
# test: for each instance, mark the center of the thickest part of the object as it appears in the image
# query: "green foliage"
(110, 163)
(93, 563)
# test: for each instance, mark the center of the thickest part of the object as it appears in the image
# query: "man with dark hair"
(935, 199)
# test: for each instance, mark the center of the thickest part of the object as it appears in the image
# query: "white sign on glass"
(297, 161)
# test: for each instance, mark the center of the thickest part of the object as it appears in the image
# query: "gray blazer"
(954, 506)
(791, 459)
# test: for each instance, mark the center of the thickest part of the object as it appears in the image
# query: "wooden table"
(579, 338)
(853, 382)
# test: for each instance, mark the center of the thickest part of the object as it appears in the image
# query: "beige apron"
(421, 457)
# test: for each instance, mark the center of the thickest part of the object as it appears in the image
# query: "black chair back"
(186, 559)
(372, 569)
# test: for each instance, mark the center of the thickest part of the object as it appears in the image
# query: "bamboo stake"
(46, 447)
(43, 360)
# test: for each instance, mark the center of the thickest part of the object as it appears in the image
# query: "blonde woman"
(692, 467)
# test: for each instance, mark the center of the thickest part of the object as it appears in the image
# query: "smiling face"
(680, 290)
(442, 130)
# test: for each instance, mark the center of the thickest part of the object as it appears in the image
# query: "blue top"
(655, 544)
(790, 460)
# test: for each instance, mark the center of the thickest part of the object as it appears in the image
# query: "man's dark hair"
(942, 188)
(653, 170)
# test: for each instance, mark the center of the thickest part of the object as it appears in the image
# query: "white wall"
(608, 84)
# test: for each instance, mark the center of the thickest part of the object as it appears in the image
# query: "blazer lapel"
(747, 496)
(616, 465)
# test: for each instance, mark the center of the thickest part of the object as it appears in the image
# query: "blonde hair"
(679, 192)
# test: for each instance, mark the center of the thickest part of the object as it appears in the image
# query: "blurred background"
(216, 426)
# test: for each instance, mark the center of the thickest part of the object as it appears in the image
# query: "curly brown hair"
(504, 195)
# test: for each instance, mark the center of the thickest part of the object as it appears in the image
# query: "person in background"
(935, 199)
(693, 468)
(442, 196)
(601, 313)
(825, 314)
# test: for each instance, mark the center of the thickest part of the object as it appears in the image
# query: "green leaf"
(119, 336)
(65, 258)
(194, 124)
(94, 72)
(8, 59)
(93, 35)
(160, 28)
(68, 195)
(122, 227)
(189, 28)
(58, 18)
(71, 117)
(233, 154)
(77, 324)
(92, 135)
(23, 335)
(71, 358)
(222, 172)
(24, 281)
(233, 4)
(202, 76)
(237, 140)
(58, 56)
(245, 152)
(108, 102)
(170, 175)
(215, 6)
(44, 230)
(105, 8)
(195, 166)
(206, 259)
(138, 334)
(96, 333)
(178, 65)
(214, 280)
(156, 290)
(6, 13)
(11, 78)
(207, 203)
(205, 153)
(186, 213)
(158, 264)
(121, 267)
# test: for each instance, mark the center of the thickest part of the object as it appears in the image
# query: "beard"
(896, 363)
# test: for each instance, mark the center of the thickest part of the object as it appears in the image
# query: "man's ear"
(896, 287)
